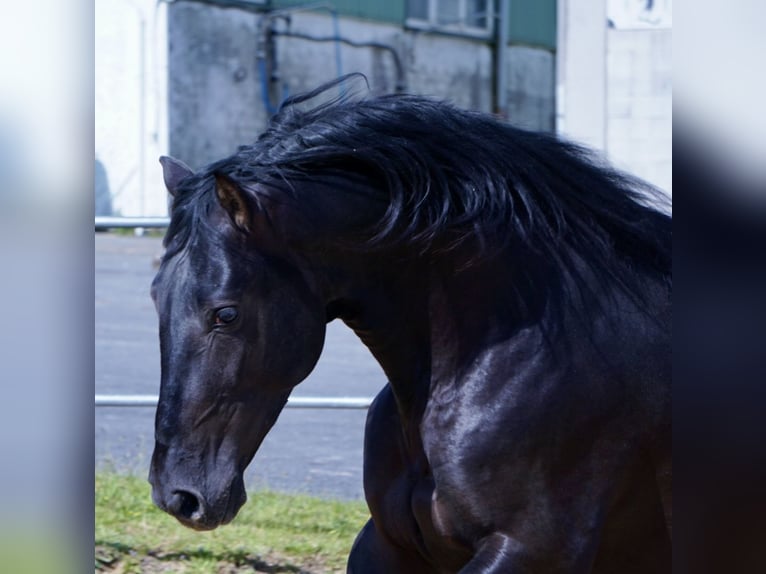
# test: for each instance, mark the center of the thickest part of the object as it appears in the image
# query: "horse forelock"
(190, 216)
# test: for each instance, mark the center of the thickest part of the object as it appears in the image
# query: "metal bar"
(292, 402)
(131, 222)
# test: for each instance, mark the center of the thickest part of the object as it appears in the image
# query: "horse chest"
(401, 492)
(429, 527)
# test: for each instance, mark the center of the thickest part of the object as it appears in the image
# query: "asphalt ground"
(315, 451)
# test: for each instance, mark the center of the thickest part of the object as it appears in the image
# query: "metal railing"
(292, 402)
(103, 222)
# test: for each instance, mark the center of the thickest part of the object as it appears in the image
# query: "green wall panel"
(380, 10)
(533, 22)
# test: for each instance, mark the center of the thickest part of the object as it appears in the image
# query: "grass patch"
(272, 533)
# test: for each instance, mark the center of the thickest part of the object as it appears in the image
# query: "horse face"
(235, 337)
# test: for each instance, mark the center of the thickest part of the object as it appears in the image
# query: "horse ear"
(234, 201)
(173, 171)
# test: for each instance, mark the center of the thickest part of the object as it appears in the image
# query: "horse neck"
(431, 322)
(473, 308)
(385, 302)
(416, 315)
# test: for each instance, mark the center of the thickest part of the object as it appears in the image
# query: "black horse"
(515, 291)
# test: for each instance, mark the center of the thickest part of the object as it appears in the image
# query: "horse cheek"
(287, 346)
(303, 348)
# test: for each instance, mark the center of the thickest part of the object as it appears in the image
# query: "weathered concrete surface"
(213, 89)
(216, 101)
(531, 88)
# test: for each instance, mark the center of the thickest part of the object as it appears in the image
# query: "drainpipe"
(501, 58)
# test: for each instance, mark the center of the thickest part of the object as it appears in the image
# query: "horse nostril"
(185, 504)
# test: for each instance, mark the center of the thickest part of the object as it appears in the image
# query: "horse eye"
(225, 315)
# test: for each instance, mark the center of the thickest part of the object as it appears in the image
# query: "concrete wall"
(453, 68)
(531, 96)
(639, 112)
(215, 89)
(214, 101)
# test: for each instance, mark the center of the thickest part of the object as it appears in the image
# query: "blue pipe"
(270, 108)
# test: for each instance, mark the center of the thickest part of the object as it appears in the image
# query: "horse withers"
(515, 291)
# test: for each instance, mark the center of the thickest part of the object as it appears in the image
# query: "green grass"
(272, 533)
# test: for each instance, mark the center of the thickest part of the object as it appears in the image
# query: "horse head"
(240, 326)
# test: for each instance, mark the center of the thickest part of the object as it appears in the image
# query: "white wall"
(581, 71)
(130, 102)
(639, 113)
(614, 83)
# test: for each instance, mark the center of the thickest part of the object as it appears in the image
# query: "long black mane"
(449, 177)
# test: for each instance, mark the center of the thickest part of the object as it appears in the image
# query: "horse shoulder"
(522, 445)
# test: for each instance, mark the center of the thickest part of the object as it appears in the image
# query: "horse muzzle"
(195, 508)
(192, 509)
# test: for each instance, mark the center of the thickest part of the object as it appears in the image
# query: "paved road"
(314, 451)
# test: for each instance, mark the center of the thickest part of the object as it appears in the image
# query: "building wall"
(215, 90)
(639, 112)
(531, 93)
(214, 101)
(130, 106)
(182, 79)
(391, 11)
(193, 88)
(614, 82)
(464, 79)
